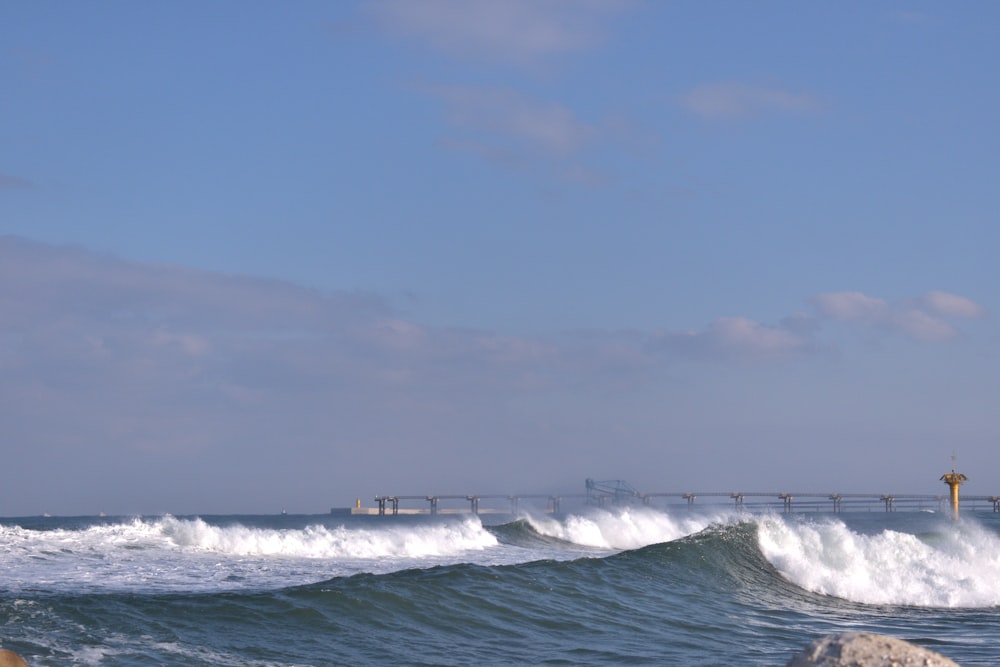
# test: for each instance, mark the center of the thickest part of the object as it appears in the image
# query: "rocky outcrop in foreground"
(11, 659)
(863, 649)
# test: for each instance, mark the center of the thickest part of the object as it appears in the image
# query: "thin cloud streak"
(729, 101)
(518, 32)
(737, 339)
(504, 115)
(925, 322)
(73, 318)
(507, 128)
(68, 281)
(850, 306)
(951, 305)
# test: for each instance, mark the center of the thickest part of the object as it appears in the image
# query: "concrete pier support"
(383, 501)
(787, 498)
(890, 503)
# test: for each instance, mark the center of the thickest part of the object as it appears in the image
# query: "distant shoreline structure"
(610, 493)
(373, 511)
(927, 503)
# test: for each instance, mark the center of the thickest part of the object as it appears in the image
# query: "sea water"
(621, 585)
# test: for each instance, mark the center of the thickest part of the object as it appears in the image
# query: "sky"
(262, 256)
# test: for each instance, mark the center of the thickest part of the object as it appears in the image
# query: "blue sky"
(263, 255)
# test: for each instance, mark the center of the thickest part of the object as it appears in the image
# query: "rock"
(864, 649)
(11, 659)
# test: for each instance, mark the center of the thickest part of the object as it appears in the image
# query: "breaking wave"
(951, 565)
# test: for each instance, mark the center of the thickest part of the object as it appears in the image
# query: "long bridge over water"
(618, 492)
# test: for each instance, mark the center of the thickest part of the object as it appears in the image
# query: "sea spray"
(953, 565)
(170, 554)
(622, 528)
(318, 541)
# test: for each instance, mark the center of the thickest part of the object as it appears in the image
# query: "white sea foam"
(955, 565)
(169, 553)
(321, 542)
(624, 528)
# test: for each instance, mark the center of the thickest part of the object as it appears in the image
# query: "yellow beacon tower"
(954, 480)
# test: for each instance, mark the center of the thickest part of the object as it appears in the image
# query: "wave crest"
(322, 542)
(956, 565)
(624, 528)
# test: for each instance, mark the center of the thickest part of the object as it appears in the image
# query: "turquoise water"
(596, 587)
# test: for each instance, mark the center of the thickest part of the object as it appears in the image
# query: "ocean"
(594, 586)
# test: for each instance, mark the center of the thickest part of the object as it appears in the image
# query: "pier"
(620, 493)
(390, 504)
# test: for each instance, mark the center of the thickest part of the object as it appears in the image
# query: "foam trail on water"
(623, 528)
(322, 542)
(957, 566)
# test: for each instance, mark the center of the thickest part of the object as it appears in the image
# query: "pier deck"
(619, 493)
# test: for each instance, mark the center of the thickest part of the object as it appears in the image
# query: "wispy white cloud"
(951, 305)
(173, 358)
(503, 125)
(921, 326)
(516, 131)
(926, 320)
(735, 339)
(850, 306)
(497, 114)
(742, 339)
(519, 32)
(726, 101)
(85, 287)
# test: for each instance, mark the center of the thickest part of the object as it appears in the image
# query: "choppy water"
(618, 586)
